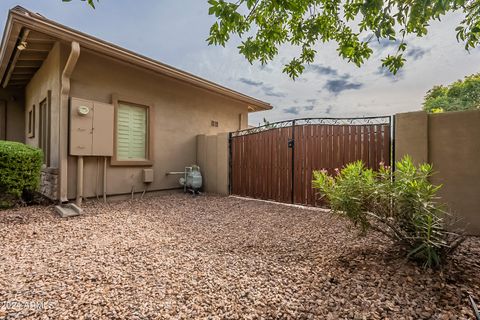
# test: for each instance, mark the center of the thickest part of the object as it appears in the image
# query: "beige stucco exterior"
(451, 142)
(12, 122)
(55, 64)
(181, 112)
(412, 136)
(46, 79)
(213, 156)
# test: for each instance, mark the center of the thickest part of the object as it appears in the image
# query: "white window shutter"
(131, 132)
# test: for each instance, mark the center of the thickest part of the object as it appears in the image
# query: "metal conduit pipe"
(78, 200)
(105, 179)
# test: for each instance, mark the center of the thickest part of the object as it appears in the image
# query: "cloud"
(412, 52)
(292, 110)
(336, 86)
(267, 89)
(328, 110)
(250, 82)
(416, 53)
(297, 109)
(382, 43)
(310, 104)
(321, 70)
(265, 68)
(384, 72)
(270, 91)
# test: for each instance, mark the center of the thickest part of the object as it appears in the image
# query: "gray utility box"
(147, 175)
(91, 128)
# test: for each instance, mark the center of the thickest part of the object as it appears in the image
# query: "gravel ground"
(178, 257)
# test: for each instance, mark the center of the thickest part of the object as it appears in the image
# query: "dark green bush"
(406, 208)
(20, 167)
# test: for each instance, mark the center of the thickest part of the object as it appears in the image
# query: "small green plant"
(20, 167)
(404, 207)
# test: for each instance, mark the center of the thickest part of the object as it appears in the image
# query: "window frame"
(44, 128)
(31, 123)
(149, 131)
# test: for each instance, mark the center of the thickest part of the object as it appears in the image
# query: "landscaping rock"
(182, 257)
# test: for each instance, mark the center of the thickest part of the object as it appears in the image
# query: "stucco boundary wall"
(451, 143)
(213, 159)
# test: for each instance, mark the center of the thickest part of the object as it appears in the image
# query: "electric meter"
(83, 110)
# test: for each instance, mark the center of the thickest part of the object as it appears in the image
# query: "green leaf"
(306, 24)
(90, 2)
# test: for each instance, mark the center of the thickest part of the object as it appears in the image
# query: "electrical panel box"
(91, 128)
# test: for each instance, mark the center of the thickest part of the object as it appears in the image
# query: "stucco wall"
(213, 157)
(181, 112)
(453, 147)
(46, 79)
(411, 131)
(13, 123)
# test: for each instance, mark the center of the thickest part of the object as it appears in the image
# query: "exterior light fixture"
(22, 46)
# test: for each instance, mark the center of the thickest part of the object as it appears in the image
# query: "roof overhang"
(27, 51)
(37, 27)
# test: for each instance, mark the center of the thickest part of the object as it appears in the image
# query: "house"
(107, 119)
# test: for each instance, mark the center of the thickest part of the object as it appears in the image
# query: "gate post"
(392, 143)
(229, 163)
(292, 146)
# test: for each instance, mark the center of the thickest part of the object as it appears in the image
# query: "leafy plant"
(348, 191)
(265, 25)
(404, 207)
(459, 96)
(20, 167)
(90, 2)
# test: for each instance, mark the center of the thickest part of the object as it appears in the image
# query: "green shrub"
(348, 191)
(405, 208)
(20, 167)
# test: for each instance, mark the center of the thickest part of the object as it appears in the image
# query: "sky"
(175, 31)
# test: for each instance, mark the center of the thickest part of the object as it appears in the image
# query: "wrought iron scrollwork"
(383, 120)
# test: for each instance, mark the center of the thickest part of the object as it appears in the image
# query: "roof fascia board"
(9, 40)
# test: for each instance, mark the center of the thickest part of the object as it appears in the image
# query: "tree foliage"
(405, 208)
(459, 96)
(90, 2)
(265, 25)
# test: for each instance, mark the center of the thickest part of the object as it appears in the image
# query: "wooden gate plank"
(379, 146)
(351, 145)
(288, 153)
(386, 145)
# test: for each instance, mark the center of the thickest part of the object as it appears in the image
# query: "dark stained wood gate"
(276, 162)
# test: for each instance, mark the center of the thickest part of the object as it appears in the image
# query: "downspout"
(63, 118)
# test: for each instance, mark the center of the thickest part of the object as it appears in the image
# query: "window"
(31, 123)
(44, 128)
(132, 134)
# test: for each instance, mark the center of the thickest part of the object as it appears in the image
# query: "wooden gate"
(275, 162)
